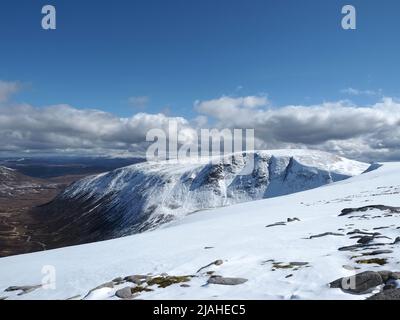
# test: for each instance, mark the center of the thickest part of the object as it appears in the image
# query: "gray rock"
(293, 219)
(391, 294)
(137, 279)
(395, 276)
(386, 275)
(216, 263)
(361, 246)
(24, 289)
(380, 228)
(397, 240)
(326, 234)
(184, 285)
(357, 231)
(366, 208)
(124, 293)
(226, 281)
(376, 252)
(390, 286)
(298, 264)
(276, 224)
(363, 282)
(389, 275)
(365, 239)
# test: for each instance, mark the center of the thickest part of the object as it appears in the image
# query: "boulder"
(365, 239)
(124, 293)
(361, 283)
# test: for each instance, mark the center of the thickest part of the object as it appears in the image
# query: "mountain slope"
(290, 260)
(143, 196)
(14, 184)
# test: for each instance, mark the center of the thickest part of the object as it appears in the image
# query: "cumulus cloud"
(230, 108)
(360, 132)
(62, 127)
(7, 89)
(367, 133)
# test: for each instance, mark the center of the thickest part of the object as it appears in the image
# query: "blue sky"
(176, 52)
(213, 63)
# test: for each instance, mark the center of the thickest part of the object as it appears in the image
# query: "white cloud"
(228, 107)
(366, 133)
(62, 127)
(7, 89)
(362, 132)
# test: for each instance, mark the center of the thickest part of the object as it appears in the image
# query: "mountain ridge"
(144, 196)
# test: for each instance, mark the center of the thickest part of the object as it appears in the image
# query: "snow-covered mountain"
(145, 195)
(288, 247)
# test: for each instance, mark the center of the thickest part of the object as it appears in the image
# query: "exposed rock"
(298, 264)
(24, 289)
(366, 208)
(391, 294)
(357, 231)
(389, 275)
(385, 275)
(360, 283)
(139, 289)
(365, 239)
(184, 285)
(124, 293)
(167, 281)
(379, 261)
(293, 219)
(216, 263)
(281, 223)
(360, 246)
(397, 240)
(326, 234)
(389, 286)
(74, 297)
(226, 281)
(3, 298)
(137, 279)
